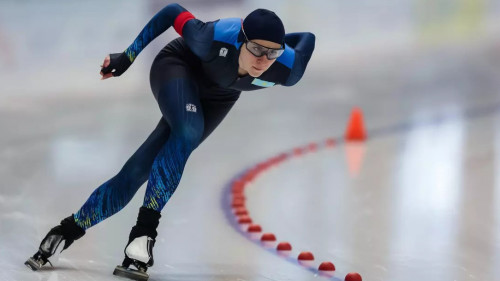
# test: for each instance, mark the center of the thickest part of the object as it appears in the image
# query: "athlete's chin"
(255, 73)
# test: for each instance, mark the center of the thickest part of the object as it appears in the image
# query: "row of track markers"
(355, 132)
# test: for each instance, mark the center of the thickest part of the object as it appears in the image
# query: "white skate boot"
(139, 250)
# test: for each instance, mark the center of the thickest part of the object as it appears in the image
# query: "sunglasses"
(259, 50)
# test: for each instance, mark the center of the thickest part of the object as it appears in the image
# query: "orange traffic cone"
(355, 129)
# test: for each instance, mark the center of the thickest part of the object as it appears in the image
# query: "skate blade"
(130, 273)
(33, 264)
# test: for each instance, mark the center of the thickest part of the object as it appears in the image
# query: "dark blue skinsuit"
(195, 82)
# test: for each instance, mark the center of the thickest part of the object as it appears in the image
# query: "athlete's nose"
(262, 59)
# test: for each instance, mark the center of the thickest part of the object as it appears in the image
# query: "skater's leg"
(113, 195)
(168, 166)
(181, 108)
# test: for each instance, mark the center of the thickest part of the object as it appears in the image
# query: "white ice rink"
(423, 205)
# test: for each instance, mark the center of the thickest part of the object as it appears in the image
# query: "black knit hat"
(265, 25)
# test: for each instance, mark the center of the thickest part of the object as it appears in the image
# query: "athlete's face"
(255, 66)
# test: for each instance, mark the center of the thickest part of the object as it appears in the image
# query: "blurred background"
(425, 204)
(67, 39)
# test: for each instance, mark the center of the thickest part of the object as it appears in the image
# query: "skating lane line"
(233, 198)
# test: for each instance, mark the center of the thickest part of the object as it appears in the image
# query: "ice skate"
(138, 253)
(66, 232)
(139, 250)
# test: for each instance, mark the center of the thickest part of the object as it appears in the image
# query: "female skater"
(195, 79)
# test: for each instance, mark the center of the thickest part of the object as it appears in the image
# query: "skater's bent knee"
(189, 134)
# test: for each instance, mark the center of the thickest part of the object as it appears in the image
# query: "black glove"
(118, 64)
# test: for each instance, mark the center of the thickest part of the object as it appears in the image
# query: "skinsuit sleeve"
(303, 45)
(197, 34)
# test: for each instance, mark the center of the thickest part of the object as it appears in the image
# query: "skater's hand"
(107, 59)
(114, 65)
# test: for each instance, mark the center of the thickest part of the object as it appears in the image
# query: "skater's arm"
(301, 41)
(172, 15)
(198, 36)
(303, 45)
